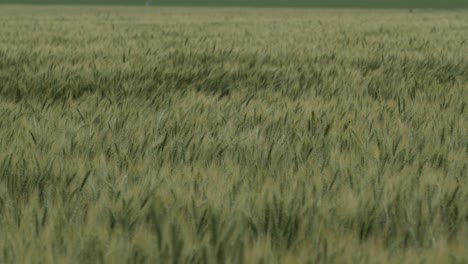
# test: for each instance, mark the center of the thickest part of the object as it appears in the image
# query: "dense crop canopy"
(233, 135)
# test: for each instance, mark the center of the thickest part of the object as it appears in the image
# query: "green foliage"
(263, 3)
(136, 135)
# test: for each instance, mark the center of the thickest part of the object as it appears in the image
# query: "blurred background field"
(266, 3)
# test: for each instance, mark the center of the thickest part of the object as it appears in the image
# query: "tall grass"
(233, 136)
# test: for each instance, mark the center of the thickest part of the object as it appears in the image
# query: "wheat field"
(178, 135)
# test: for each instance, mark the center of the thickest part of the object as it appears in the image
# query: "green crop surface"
(262, 3)
(181, 135)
